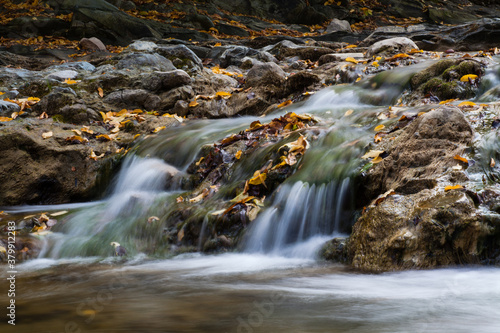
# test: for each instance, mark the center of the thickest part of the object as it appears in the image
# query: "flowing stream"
(275, 283)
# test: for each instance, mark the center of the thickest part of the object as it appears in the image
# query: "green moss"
(435, 70)
(59, 118)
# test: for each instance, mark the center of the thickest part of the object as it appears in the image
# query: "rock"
(265, 74)
(165, 80)
(133, 98)
(327, 58)
(170, 98)
(421, 226)
(142, 46)
(78, 114)
(63, 75)
(144, 61)
(231, 30)
(338, 25)
(55, 101)
(46, 171)
(7, 108)
(442, 80)
(181, 108)
(391, 46)
(234, 55)
(300, 81)
(92, 44)
(287, 48)
(188, 59)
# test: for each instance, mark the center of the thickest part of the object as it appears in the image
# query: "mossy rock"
(435, 70)
(463, 68)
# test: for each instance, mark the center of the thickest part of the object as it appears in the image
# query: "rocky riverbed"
(426, 185)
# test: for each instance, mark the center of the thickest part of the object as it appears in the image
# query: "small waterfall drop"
(302, 217)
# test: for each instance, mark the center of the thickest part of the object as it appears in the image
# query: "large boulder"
(413, 221)
(265, 74)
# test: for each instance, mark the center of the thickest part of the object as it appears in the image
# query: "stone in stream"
(338, 25)
(421, 225)
(391, 46)
(92, 44)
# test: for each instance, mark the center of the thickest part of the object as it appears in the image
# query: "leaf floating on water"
(399, 56)
(468, 77)
(375, 63)
(47, 135)
(372, 154)
(452, 187)
(379, 128)
(157, 129)
(467, 103)
(238, 154)
(461, 159)
(351, 59)
(348, 113)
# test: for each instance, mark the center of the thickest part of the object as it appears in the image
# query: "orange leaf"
(285, 103)
(467, 103)
(450, 187)
(223, 94)
(238, 154)
(100, 91)
(379, 128)
(105, 137)
(468, 77)
(5, 119)
(462, 159)
(69, 81)
(194, 103)
(351, 59)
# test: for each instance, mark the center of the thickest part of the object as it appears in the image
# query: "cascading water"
(310, 207)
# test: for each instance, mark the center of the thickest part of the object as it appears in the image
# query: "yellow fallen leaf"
(258, 178)
(379, 128)
(238, 154)
(157, 129)
(94, 156)
(467, 103)
(62, 212)
(468, 77)
(348, 113)
(100, 92)
(47, 135)
(104, 137)
(372, 154)
(69, 81)
(194, 103)
(217, 44)
(377, 159)
(285, 103)
(33, 99)
(375, 63)
(86, 129)
(5, 119)
(199, 161)
(358, 79)
(448, 101)
(399, 56)
(136, 136)
(223, 94)
(461, 159)
(454, 187)
(351, 59)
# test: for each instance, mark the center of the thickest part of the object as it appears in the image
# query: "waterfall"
(302, 217)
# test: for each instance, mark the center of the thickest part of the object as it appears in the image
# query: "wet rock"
(334, 250)
(287, 48)
(186, 58)
(170, 98)
(133, 98)
(442, 79)
(181, 108)
(300, 81)
(165, 80)
(145, 61)
(78, 114)
(391, 46)
(55, 101)
(92, 44)
(7, 108)
(234, 55)
(63, 75)
(43, 171)
(265, 74)
(338, 25)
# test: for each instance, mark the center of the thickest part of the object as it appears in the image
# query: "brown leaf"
(450, 187)
(100, 92)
